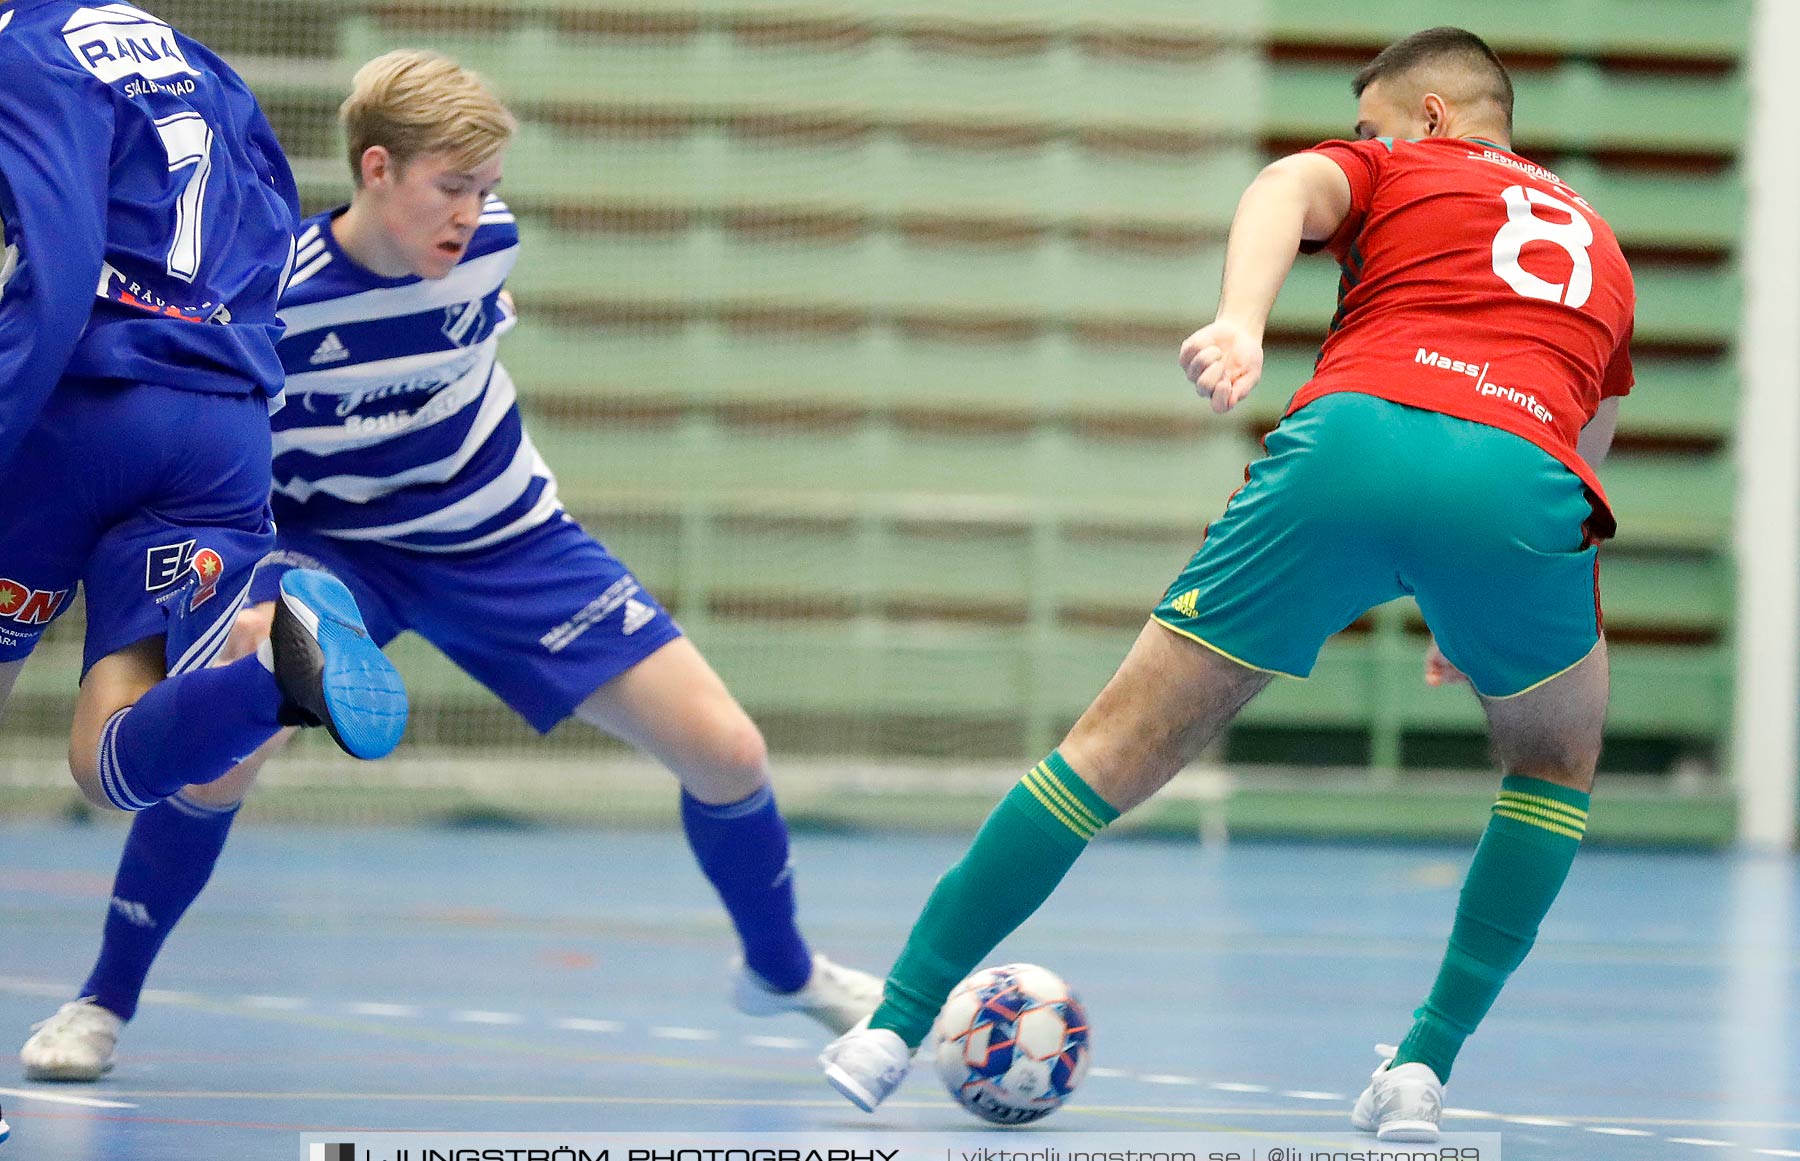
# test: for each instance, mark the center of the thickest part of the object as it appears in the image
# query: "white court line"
(289, 1003)
(165, 996)
(684, 1033)
(56, 1098)
(1107, 1073)
(398, 1011)
(775, 1041)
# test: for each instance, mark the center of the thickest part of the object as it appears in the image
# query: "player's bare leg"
(672, 706)
(1554, 732)
(1548, 742)
(114, 682)
(1168, 700)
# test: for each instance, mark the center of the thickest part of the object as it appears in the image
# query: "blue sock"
(743, 848)
(168, 858)
(188, 729)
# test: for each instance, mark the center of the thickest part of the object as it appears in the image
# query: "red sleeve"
(1619, 377)
(1362, 162)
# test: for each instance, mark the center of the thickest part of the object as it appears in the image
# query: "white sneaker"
(866, 1065)
(1400, 1104)
(75, 1044)
(834, 995)
(5, 1129)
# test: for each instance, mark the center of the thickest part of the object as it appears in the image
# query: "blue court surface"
(575, 981)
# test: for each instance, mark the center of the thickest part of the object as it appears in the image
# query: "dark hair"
(1447, 45)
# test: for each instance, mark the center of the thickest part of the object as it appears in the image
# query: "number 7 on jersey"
(187, 139)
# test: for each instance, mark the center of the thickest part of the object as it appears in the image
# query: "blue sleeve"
(55, 142)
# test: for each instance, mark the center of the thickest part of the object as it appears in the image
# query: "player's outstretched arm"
(1304, 197)
(54, 146)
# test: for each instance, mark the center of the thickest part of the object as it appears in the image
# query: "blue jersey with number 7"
(148, 211)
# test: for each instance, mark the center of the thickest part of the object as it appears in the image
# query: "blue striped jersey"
(401, 426)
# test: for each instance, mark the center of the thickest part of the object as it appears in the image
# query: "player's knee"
(729, 763)
(84, 767)
(1571, 766)
(739, 750)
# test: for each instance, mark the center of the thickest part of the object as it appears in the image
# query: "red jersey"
(1479, 285)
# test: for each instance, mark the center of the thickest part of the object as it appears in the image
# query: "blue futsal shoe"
(329, 672)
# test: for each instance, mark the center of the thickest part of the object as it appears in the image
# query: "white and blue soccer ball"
(1012, 1043)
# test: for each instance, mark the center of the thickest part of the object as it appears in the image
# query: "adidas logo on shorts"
(637, 615)
(331, 350)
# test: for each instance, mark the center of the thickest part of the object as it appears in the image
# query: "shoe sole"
(846, 1084)
(66, 1075)
(1408, 1132)
(365, 700)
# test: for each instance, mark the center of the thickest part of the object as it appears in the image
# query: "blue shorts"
(542, 620)
(156, 501)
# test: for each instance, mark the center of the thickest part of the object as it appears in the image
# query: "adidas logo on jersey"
(331, 350)
(637, 615)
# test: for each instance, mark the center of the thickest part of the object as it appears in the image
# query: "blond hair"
(413, 102)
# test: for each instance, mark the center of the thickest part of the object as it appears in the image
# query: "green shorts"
(1360, 501)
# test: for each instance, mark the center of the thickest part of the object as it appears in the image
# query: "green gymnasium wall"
(852, 326)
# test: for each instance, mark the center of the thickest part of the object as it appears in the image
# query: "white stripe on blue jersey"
(401, 426)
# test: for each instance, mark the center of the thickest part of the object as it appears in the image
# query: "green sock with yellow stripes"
(1519, 867)
(1023, 851)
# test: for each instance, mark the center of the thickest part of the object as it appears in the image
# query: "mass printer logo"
(338, 1152)
(116, 41)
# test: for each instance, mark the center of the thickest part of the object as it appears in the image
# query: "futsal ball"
(1012, 1043)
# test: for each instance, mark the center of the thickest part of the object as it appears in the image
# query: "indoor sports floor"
(533, 980)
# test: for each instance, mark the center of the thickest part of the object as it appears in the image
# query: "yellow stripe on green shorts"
(1051, 795)
(1518, 815)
